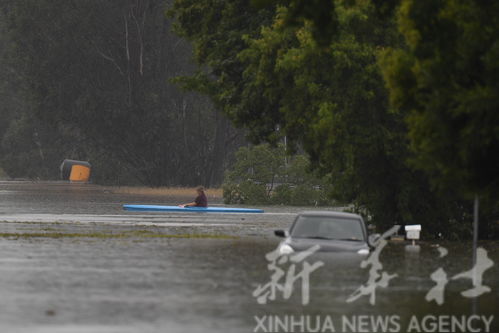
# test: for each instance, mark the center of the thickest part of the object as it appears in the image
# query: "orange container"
(79, 173)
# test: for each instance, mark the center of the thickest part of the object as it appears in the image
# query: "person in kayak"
(200, 201)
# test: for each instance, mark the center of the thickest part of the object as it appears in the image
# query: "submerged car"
(332, 231)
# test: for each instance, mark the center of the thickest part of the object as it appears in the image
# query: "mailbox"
(412, 231)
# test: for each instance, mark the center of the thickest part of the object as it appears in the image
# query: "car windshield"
(328, 227)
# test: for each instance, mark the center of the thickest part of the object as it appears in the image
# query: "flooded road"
(71, 260)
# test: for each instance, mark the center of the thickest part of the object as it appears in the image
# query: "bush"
(245, 193)
(259, 168)
(305, 195)
(282, 194)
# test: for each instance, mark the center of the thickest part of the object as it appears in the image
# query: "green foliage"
(217, 31)
(331, 101)
(301, 195)
(246, 192)
(283, 194)
(265, 175)
(255, 168)
(445, 80)
(324, 90)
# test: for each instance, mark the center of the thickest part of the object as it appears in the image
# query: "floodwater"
(145, 282)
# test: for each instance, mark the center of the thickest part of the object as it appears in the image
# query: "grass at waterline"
(3, 175)
(107, 235)
(214, 193)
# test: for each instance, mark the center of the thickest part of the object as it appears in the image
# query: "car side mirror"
(373, 239)
(280, 233)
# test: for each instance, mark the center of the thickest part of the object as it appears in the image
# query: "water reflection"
(200, 285)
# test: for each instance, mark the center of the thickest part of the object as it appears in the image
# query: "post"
(474, 302)
(285, 152)
(475, 228)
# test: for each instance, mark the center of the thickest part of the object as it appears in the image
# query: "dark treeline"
(91, 80)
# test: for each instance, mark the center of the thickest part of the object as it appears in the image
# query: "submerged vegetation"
(265, 175)
(105, 235)
(211, 193)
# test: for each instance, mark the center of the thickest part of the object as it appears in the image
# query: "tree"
(264, 174)
(445, 80)
(96, 75)
(327, 96)
(253, 175)
(216, 29)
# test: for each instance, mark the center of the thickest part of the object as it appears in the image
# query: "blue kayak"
(154, 208)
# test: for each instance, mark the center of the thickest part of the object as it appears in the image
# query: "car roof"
(330, 214)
